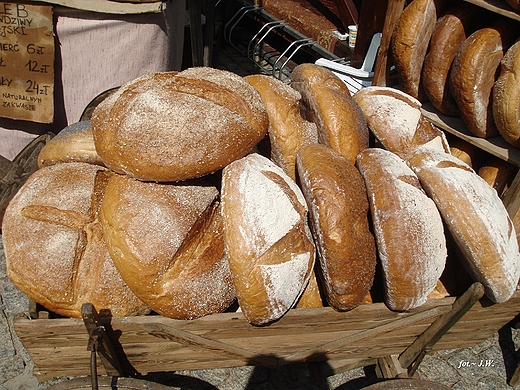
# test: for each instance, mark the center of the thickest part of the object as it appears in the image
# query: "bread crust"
(54, 245)
(174, 126)
(73, 143)
(340, 121)
(451, 30)
(476, 218)
(269, 244)
(506, 97)
(166, 241)
(473, 73)
(338, 208)
(288, 130)
(408, 229)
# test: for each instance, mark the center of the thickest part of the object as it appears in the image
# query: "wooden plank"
(496, 146)
(498, 6)
(58, 347)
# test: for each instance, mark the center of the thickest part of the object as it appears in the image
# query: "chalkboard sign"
(26, 62)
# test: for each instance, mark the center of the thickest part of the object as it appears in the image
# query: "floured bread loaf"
(288, 131)
(338, 207)
(73, 143)
(476, 218)
(175, 126)
(474, 71)
(506, 97)
(269, 244)
(395, 119)
(54, 244)
(410, 40)
(408, 229)
(166, 241)
(451, 30)
(341, 123)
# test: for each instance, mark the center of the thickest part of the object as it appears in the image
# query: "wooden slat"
(58, 347)
(497, 6)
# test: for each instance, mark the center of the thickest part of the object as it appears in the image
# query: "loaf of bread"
(338, 208)
(54, 245)
(395, 119)
(408, 229)
(267, 237)
(473, 74)
(476, 218)
(288, 130)
(73, 143)
(498, 173)
(409, 43)
(311, 297)
(341, 123)
(506, 97)
(175, 126)
(166, 240)
(468, 153)
(451, 30)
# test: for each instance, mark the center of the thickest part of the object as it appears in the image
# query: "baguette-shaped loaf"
(506, 97)
(474, 71)
(408, 229)
(166, 241)
(476, 218)
(288, 130)
(338, 207)
(175, 126)
(73, 143)
(341, 123)
(268, 241)
(451, 30)
(395, 119)
(54, 245)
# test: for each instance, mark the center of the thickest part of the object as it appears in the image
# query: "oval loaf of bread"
(268, 241)
(54, 245)
(288, 131)
(341, 123)
(338, 207)
(175, 126)
(476, 218)
(408, 229)
(166, 241)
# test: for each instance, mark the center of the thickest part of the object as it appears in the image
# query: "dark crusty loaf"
(338, 207)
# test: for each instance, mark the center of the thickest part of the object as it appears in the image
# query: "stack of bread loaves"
(162, 202)
(460, 57)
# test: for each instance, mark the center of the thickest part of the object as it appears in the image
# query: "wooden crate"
(154, 343)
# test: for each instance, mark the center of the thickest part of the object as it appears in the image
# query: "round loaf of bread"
(341, 123)
(288, 131)
(175, 126)
(451, 30)
(506, 97)
(476, 218)
(268, 241)
(408, 229)
(338, 208)
(54, 245)
(468, 153)
(73, 143)
(166, 241)
(473, 73)
(395, 119)
(409, 43)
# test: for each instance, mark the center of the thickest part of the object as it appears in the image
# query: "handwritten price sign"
(26, 62)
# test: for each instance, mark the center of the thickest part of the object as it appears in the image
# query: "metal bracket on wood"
(99, 341)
